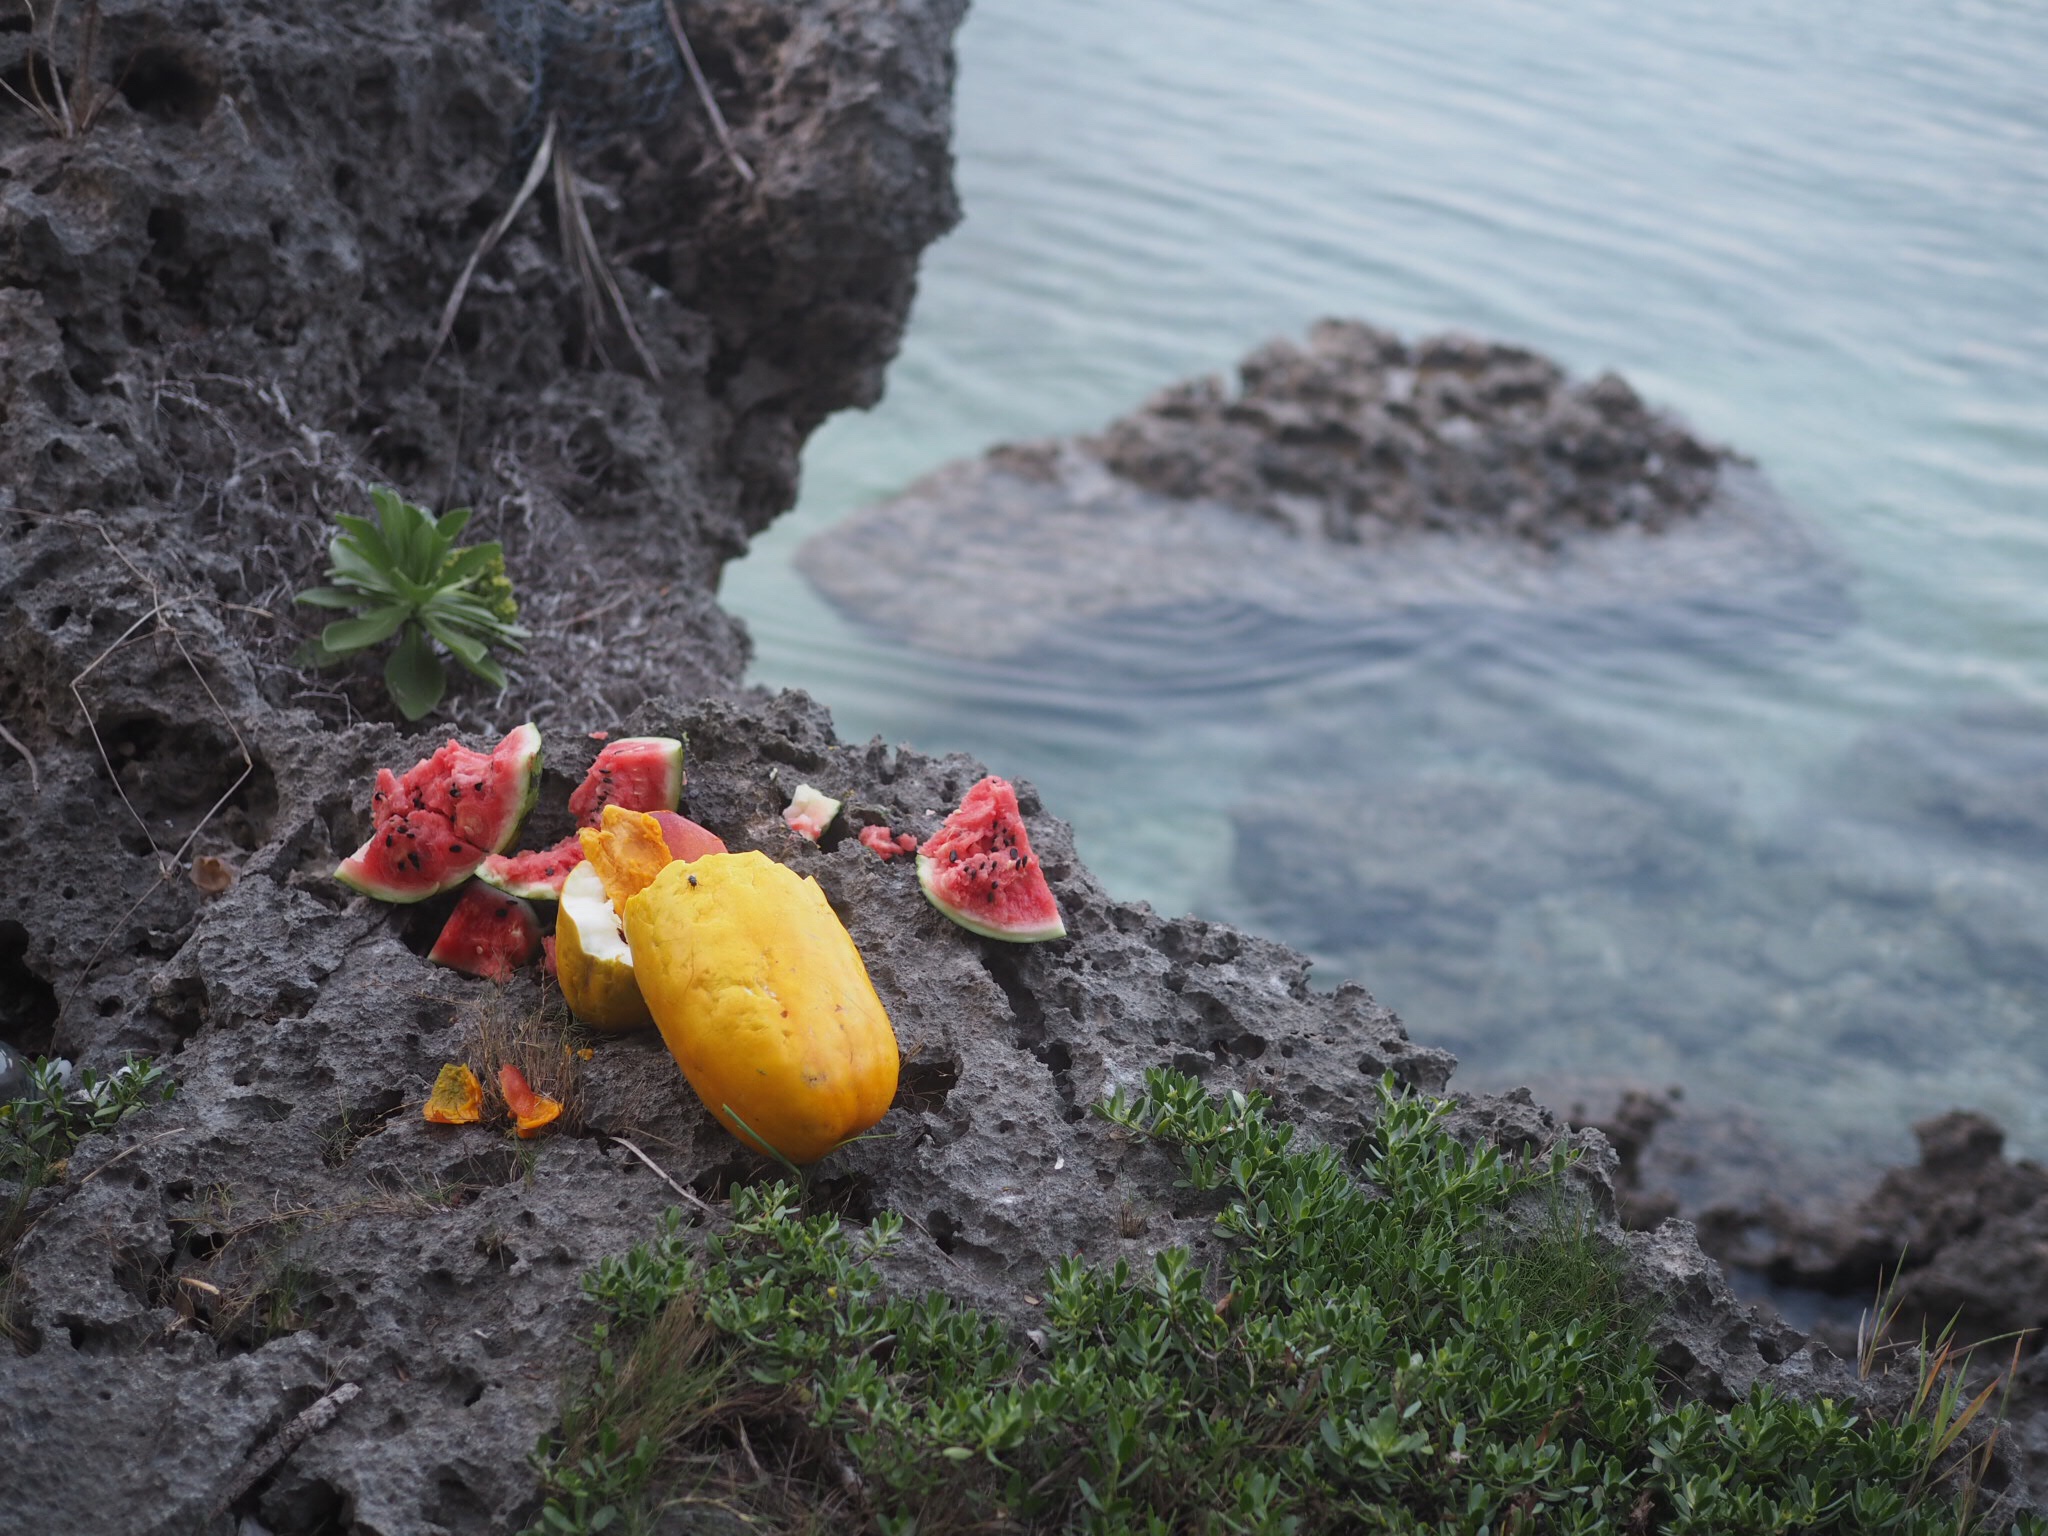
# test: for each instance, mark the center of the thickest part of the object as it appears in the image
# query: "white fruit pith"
(586, 909)
(592, 959)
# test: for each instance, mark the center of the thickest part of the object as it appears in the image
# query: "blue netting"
(600, 66)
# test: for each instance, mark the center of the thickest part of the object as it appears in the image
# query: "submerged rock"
(1349, 484)
(1959, 1234)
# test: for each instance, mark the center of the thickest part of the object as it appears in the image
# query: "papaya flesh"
(762, 998)
(628, 850)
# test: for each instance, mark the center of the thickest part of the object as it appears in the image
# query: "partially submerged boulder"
(1349, 484)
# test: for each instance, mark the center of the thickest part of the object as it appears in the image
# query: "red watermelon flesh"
(489, 934)
(533, 876)
(435, 825)
(885, 845)
(638, 773)
(539, 876)
(979, 870)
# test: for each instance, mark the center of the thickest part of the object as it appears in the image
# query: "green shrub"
(404, 576)
(53, 1115)
(1437, 1343)
(39, 1129)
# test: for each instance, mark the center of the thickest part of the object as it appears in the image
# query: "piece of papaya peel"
(530, 1111)
(457, 1099)
(628, 849)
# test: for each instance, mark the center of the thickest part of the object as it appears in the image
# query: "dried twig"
(580, 249)
(131, 1148)
(675, 26)
(285, 1441)
(35, 783)
(167, 865)
(599, 611)
(155, 610)
(534, 172)
(60, 116)
(688, 1194)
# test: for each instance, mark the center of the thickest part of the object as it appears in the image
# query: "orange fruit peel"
(593, 963)
(457, 1099)
(530, 1111)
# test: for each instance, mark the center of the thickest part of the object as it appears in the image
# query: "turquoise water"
(1817, 230)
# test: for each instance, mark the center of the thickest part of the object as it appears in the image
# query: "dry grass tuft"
(68, 113)
(541, 1040)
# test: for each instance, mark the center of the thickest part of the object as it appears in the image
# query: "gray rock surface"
(289, 1222)
(1358, 432)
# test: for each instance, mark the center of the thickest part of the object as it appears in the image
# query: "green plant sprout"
(404, 576)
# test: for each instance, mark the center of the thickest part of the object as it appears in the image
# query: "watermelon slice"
(979, 870)
(441, 820)
(533, 876)
(885, 845)
(810, 812)
(638, 773)
(489, 934)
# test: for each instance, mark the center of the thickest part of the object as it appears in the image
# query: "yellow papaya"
(762, 999)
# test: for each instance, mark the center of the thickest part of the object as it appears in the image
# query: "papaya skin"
(762, 998)
(594, 967)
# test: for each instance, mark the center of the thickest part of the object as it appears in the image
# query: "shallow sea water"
(1801, 870)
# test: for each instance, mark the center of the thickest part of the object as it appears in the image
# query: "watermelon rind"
(514, 766)
(983, 851)
(810, 812)
(526, 749)
(353, 873)
(928, 882)
(499, 870)
(461, 944)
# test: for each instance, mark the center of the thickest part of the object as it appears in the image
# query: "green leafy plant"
(1430, 1338)
(404, 576)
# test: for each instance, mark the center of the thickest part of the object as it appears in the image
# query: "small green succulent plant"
(404, 576)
